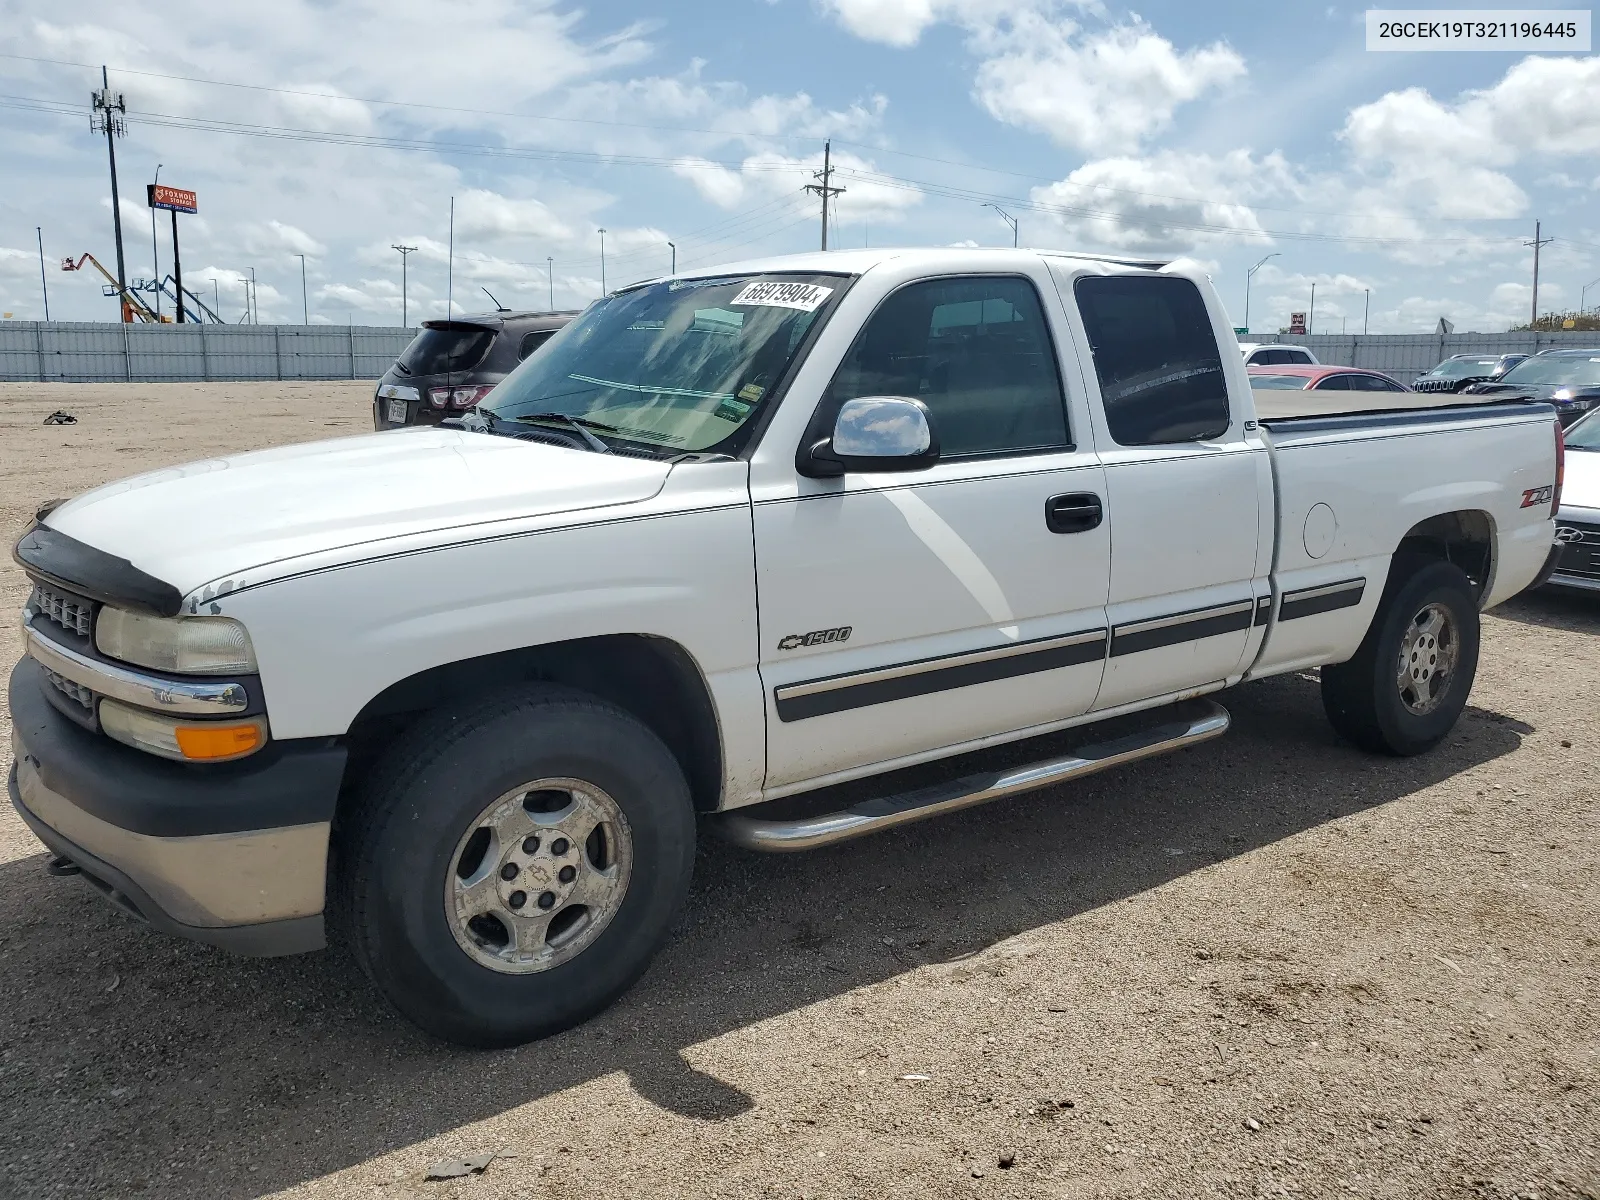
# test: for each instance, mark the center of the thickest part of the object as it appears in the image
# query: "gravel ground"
(1267, 966)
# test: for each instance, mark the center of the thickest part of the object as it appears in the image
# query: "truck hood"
(221, 517)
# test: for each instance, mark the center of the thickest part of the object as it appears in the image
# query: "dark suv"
(1461, 371)
(451, 365)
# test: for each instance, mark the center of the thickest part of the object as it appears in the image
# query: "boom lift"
(132, 306)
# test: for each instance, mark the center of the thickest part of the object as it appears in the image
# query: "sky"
(1404, 186)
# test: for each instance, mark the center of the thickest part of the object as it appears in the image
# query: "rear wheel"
(1407, 685)
(512, 870)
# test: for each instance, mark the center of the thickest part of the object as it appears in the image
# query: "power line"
(480, 112)
(879, 178)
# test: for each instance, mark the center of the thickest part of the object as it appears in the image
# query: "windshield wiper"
(577, 425)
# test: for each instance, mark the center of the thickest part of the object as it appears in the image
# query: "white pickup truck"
(728, 538)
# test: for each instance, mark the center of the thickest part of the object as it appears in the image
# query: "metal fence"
(110, 352)
(1405, 355)
(92, 352)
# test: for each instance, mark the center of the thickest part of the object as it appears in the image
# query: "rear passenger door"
(1186, 484)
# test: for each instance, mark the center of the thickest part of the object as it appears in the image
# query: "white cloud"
(902, 23)
(1166, 201)
(1450, 159)
(1101, 93)
(486, 216)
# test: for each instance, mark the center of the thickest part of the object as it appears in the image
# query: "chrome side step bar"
(1200, 721)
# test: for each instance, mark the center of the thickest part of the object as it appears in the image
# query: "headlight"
(186, 741)
(182, 645)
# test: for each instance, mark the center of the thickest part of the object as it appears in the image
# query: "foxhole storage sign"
(171, 198)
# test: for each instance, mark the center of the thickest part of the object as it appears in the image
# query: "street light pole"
(1009, 220)
(673, 247)
(1311, 321)
(550, 276)
(1248, 276)
(43, 286)
(155, 257)
(602, 262)
(1366, 309)
(255, 300)
(1582, 295)
(305, 308)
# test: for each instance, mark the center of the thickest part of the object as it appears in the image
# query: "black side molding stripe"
(819, 697)
(1182, 627)
(1308, 602)
(1263, 609)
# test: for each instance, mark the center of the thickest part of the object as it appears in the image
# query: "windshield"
(1582, 370)
(1585, 434)
(453, 348)
(682, 365)
(1279, 383)
(1463, 368)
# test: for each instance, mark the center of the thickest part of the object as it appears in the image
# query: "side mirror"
(875, 433)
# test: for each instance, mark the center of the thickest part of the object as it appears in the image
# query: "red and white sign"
(177, 199)
(1297, 323)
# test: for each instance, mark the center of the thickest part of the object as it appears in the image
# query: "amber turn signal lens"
(209, 742)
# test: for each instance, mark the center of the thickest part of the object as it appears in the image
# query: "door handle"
(1074, 512)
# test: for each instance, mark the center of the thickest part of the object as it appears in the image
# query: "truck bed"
(1278, 405)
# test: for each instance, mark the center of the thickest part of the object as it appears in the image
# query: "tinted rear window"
(1279, 383)
(436, 351)
(1157, 359)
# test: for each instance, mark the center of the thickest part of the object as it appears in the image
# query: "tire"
(406, 868)
(1365, 699)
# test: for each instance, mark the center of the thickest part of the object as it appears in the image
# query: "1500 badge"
(817, 637)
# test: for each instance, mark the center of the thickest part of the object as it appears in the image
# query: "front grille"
(73, 613)
(73, 691)
(1580, 554)
(1440, 385)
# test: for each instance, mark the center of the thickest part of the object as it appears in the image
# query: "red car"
(1294, 378)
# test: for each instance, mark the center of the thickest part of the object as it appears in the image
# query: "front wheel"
(1407, 685)
(510, 871)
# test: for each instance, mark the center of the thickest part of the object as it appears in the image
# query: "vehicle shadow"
(186, 1071)
(1552, 608)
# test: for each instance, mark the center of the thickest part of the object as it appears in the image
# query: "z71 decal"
(817, 637)
(1539, 495)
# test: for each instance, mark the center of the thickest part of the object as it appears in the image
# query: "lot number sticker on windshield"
(803, 296)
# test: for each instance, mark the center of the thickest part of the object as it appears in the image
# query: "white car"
(1578, 518)
(1264, 354)
(727, 538)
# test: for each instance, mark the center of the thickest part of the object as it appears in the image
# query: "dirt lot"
(1268, 966)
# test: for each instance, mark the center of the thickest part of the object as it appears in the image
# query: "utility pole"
(450, 271)
(155, 256)
(255, 300)
(602, 262)
(1009, 220)
(1248, 276)
(1536, 243)
(1311, 321)
(825, 189)
(405, 253)
(673, 247)
(550, 274)
(305, 308)
(108, 115)
(43, 286)
(1366, 309)
(216, 298)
